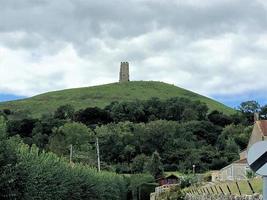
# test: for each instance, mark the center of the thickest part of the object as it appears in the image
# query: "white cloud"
(214, 48)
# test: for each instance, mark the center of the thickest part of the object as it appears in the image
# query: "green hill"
(102, 95)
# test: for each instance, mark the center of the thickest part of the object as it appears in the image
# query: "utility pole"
(98, 155)
(194, 169)
(71, 152)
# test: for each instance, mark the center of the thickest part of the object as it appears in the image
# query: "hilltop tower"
(124, 72)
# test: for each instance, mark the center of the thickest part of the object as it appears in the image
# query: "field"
(243, 185)
(102, 95)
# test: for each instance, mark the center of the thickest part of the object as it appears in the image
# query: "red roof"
(263, 126)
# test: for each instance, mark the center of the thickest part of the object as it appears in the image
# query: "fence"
(245, 187)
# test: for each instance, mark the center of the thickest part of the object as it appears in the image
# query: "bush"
(47, 176)
(138, 185)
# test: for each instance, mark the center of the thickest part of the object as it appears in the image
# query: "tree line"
(181, 131)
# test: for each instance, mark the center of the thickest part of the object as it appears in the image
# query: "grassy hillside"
(102, 95)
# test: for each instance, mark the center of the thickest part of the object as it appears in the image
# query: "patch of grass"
(102, 95)
(244, 186)
(256, 184)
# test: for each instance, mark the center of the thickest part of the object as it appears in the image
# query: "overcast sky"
(217, 48)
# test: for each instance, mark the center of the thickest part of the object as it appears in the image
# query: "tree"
(22, 127)
(71, 133)
(117, 142)
(155, 166)
(231, 150)
(220, 119)
(7, 111)
(3, 127)
(156, 135)
(64, 112)
(238, 133)
(9, 180)
(189, 114)
(139, 162)
(127, 111)
(203, 131)
(248, 108)
(92, 116)
(263, 112)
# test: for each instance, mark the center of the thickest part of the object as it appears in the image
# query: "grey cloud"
(175, 41)
(80, 20)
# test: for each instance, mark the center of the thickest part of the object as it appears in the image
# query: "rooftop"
(263, 126)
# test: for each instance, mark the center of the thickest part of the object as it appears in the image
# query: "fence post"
(238, 188)
(228, 189)
(212, 190)
(250, 186)
(221, 190)
(216, 189)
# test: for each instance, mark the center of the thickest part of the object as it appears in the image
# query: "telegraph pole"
(194, 169)
(98, 155)
(71, 152)
(93, 127)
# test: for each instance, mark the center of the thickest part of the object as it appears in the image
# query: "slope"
(102, 95)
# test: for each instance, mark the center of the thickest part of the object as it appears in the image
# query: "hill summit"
(102, 95)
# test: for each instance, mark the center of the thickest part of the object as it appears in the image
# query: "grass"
(244, 187)
(102, 95)
(256, 184)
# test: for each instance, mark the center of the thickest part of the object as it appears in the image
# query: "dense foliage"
(139, 138)
(27, 173)
(182, 131)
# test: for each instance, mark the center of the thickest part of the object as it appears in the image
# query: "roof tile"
(263, 126)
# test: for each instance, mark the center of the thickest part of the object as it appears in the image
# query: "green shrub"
(47, 176)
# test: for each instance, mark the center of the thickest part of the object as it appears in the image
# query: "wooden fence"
(245, 187)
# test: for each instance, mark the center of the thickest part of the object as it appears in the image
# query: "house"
(169, 180)
(235, 171)
(259, 132)
(238, 169)
(167, 183)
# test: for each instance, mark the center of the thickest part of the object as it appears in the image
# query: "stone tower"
(124, 72)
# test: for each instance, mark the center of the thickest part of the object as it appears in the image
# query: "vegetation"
(155, 166)
(27, 173)
(256, 184)
(100, 96)
(182, 131)
(139, 139)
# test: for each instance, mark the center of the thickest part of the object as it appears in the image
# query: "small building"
(238, 169)
(235, 171)
(169, 180)
(259, 132)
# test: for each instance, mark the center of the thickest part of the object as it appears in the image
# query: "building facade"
(235, 171)
(259, 132)
(238, 169)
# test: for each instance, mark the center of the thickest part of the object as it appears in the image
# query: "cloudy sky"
(214, 47)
